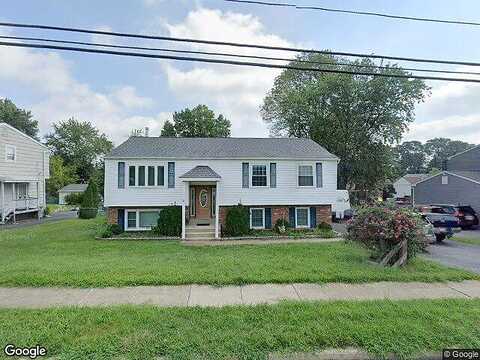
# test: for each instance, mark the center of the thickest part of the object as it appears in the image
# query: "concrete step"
(200, 232)
(200, 238)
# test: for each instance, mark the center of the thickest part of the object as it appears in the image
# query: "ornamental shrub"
(90, 198)
(74, 199)
(380, 229)
(324, 226)
(169, 222)
(90, 201)
(110, 230)
(281, 226)
(237, 222)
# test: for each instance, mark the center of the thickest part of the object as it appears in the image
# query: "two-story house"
(24, 167)
(458, 184)
(294, 179)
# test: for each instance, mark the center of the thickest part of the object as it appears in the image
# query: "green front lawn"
(465, 240)
(66, 253)
(405, 328)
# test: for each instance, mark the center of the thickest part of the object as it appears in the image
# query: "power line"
(356, 12)
(235, 44)
(57, 41)
(231, 62)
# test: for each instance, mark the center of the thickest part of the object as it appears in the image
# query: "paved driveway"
(452, 253)
(62, 215)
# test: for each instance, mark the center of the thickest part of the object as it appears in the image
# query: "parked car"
(468, 217)
(444, 225)
(465, 214)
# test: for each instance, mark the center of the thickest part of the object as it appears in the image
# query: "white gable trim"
(8, 126)
(448, 173)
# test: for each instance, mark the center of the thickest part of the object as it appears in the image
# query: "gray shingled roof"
(220, 148)
(414, 178)
(201, 172)
(474, 175)
(74, 188)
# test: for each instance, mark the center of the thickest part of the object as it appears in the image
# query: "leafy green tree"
(80, 145)
(410, 158)
(60, 175)
(18, 118)
(356, 117)
(168, 129)
(197, 122)
(440, 149)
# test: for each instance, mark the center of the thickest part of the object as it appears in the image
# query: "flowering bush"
(382, 228)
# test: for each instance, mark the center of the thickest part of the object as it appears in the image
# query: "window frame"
(162, 173)
(313, 167)
(144, 168)
(267, 175)
(263, 219)
(148, 168)
(14, 148)
(308, 217)
(137, 219)
(134, 167)
(121, 170)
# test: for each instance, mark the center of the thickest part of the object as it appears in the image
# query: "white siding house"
(294, 179)
(24, 167)
(403, 186)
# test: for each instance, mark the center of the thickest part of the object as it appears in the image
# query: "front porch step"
(200, 233)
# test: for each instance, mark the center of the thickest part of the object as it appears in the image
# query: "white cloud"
(237, 92)
(103, 39)
(452, 111)
(48, 76)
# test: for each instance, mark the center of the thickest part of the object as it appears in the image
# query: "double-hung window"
(160, 175)
(131, 175)
(142, 219)
(302, 215)
(257, 218)
(121, 175)
(305, 175)
(131, 219)
(259, 175)
(10, 153)
(151, 176)
(141, 176)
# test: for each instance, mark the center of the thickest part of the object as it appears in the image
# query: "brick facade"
(112, 215)
(324, 213)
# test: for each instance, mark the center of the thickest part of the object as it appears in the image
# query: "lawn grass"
(405, 328)
(466, 240)
(54, 208)
(66, 253)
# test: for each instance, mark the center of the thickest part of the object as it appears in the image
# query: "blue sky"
(119, 94)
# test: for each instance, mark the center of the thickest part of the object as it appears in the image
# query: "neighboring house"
(403, 186)
(70, 189)
(24, 167)
(294, 179)
(459, 184)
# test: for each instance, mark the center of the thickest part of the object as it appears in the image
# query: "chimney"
(147, 130)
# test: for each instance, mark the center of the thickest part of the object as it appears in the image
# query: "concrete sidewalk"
(204, 295)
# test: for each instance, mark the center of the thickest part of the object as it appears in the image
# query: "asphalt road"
(452, 253)
(449, 253)
(58, 216)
